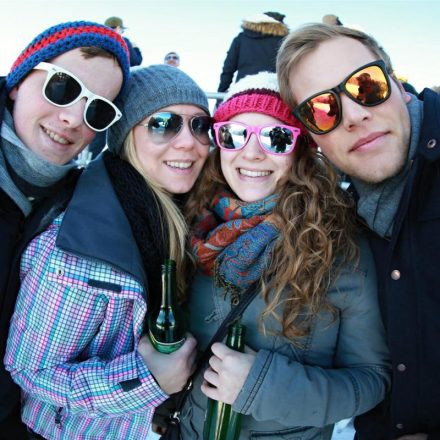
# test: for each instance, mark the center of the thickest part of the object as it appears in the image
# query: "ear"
(406, 96)
(13, 93)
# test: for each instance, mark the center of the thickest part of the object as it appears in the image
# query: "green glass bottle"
(167, 324)
(221, 422)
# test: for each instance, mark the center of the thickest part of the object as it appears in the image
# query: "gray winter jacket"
(298, 391)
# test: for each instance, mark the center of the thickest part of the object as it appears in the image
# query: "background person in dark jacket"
(38, 142)
(391, 151)
(255, 48)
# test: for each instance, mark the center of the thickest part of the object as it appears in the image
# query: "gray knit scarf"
(378, 203)
(26, 164)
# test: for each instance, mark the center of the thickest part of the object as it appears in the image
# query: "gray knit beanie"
(150, 89)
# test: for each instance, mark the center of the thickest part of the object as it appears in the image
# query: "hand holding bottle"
(171, 371)
(227, 372)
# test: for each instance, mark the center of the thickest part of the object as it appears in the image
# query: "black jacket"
(409, 292)
(253, 50)
(15, 232)
(135, 53)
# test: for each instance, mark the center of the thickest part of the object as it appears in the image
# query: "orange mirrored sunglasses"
(368, 85)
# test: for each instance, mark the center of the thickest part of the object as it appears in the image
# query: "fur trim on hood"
(267, 27)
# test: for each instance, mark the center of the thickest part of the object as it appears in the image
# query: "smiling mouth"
(179, 165)
(249, 173)
(55, 137)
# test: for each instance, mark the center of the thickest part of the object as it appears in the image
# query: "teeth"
(181, 165)
(55, 137)
(250, 173)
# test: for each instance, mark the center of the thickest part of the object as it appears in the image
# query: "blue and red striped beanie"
(64, 37)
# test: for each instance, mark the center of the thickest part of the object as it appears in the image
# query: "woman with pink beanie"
(268, 212)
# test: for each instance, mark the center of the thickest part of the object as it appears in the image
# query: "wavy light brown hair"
(316, 223)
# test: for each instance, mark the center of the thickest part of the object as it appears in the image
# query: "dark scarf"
(144, 215)
(378, 202)
(232, 240)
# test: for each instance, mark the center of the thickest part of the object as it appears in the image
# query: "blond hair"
(173, 222)
(307, 38)
(316, 225)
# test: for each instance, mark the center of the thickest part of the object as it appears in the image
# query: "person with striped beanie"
(268, 216)
(78, 343)
(56, 97)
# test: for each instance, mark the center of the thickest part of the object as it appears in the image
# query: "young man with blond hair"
(339, 83)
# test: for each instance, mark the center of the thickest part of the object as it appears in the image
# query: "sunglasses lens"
(100, 114)
(163, 126)
(62, 89)
(231, 136)
(200, 127)
(278, 140)
(368, 86)
(320, 113)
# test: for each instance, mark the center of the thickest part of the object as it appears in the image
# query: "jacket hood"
(274, 28)
(95, 225)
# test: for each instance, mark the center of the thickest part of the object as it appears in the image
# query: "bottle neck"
(168, 283)
(235, 338)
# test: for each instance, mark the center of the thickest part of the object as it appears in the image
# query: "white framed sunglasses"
(63, 89)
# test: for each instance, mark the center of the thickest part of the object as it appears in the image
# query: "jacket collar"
(95, 226)
(429, 143)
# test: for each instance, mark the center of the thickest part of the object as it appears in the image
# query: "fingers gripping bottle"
(221, 422)
(167, 324)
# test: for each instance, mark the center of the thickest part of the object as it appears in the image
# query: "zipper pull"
(58, 417)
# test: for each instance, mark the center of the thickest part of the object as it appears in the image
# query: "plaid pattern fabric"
(72, 347)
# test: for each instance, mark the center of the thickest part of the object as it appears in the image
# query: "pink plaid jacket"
(72, 347)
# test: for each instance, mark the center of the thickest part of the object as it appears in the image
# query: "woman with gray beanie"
(77, 344)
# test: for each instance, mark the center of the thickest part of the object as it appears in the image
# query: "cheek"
(325, 142)
(25, 117)
(88, 135)
(140, 147)
(284, 165)
(225, 161)
(203, 152)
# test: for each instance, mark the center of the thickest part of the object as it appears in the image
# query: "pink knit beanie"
(257, 93)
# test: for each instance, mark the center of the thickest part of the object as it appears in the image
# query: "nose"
(253, 150)
(72, 116)
(184, 139)
(353, 114)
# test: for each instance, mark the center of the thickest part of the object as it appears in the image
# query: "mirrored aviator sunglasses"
(368, 85)
(165, 126)
(63, 89)
(274, 139)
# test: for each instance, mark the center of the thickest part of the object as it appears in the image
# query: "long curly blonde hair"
(316, 221)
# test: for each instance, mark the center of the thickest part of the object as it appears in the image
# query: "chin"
(380, 175)
(251, 197)
(179, 190)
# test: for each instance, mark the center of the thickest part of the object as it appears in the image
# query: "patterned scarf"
(233, 240)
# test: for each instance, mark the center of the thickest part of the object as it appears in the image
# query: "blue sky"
(202, 30)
